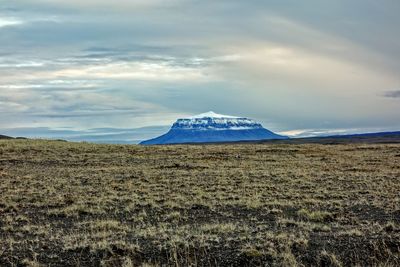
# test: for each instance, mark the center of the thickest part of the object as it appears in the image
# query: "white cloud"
(12, 107)
(299, 133)
(135, 70)
(4, 22)
(52, 85)
(121, 5)
(104, 69)
(318, 132)
(293, 65)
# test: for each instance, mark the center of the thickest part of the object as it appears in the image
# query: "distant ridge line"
(372, 138)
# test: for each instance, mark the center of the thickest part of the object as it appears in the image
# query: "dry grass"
(70, 204)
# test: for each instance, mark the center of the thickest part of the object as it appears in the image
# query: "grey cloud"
(393, 94)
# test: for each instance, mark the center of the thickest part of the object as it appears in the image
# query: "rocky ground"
(76, 204)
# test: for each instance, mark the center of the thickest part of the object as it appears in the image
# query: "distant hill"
(5, 137)
(94, 135)
(368, 138)
(378, 138)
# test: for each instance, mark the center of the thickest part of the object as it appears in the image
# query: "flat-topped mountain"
(211, 127)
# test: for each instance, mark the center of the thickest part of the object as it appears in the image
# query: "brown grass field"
(77, 204)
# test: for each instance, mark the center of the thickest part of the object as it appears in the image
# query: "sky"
(298, 67)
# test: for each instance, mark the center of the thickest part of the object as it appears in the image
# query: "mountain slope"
(210, 128)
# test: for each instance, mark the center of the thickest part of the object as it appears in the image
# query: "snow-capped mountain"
(212, 127)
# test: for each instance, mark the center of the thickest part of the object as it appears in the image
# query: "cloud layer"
(130, 64)
(393, 94)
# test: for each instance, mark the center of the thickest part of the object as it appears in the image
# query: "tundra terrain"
(267, 204)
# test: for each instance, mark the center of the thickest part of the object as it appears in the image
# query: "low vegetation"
(77, 204)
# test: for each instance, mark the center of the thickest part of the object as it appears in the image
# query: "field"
(76, 204)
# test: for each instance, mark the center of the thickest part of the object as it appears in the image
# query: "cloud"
(133, 70)
(6, 22)
(319, 132)
(108, 66)
(91, 63)
(393, 94)
(6, 106)
(121, 5)
(300, 133)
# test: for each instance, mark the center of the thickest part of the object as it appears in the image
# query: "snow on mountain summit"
(212, 127)
(210, 114)
(213, 121)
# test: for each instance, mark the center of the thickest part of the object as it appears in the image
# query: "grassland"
(70, 204)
